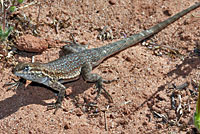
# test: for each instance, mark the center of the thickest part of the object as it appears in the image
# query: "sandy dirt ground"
(148, 97)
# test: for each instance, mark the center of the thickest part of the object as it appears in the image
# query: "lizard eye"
(26, 68)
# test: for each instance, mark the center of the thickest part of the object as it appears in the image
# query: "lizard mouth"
(32, 77)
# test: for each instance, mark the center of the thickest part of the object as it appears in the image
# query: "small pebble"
(31, 43)
(112, 2)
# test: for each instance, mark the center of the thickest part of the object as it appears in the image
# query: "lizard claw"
(55, 106)
(15, 84)
(109, 81)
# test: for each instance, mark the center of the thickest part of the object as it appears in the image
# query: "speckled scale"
(69, 66)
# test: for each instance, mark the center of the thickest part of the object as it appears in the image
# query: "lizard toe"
(55, 106)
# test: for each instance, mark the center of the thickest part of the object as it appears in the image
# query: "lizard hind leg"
(97, 79)
(73, 47)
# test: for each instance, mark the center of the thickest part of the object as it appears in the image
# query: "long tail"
(115, 47)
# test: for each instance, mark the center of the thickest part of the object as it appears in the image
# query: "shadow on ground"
(35, 94)
(182, 70)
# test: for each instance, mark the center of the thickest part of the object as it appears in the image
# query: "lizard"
(79, 61)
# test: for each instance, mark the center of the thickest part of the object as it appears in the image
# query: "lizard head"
(30, 71)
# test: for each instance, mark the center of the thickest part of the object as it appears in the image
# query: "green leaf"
(20, 1)
(197, 113)
(8, 31)
(1, 30)
(4, 34)
(12, 8)
(197, 120)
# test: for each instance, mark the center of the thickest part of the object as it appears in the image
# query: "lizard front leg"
(58, 87)
(95, 78)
